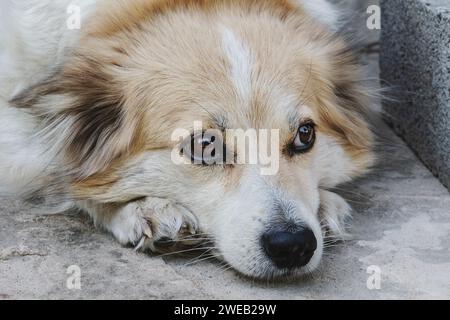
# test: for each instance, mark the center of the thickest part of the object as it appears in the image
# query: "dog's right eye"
(204, 149)
(305, 138)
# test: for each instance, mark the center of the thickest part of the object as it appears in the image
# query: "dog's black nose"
(290, 250)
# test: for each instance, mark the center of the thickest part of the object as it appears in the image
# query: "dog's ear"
(83, 114)
(347, 107)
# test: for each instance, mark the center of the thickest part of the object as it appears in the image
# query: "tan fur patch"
(125, 16)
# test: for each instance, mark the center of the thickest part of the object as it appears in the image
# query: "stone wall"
(415, 64)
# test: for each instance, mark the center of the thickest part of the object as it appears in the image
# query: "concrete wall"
(415, 63)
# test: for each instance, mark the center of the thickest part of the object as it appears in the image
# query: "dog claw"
(148, 232)
(140, 244)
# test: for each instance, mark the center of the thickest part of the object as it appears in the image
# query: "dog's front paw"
(154, 224)
(172, 226)
(334, 212)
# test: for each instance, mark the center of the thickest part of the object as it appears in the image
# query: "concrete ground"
(401, 225)
(400, 228)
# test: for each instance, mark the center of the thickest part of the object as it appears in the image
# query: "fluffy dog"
(87, 119)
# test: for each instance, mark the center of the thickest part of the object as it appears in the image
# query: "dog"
(88, 114)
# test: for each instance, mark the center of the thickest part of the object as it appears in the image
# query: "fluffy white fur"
(34, 40)
(241, 63)
(324, 11)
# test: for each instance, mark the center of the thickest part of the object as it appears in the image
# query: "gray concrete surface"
(415, 61)
(401, 225)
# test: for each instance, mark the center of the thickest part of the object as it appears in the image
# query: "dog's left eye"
(204, 149)
(305, 138)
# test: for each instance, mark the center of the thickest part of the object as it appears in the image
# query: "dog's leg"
(151, 224)
(334, 211)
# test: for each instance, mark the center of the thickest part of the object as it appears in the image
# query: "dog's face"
(135, 82)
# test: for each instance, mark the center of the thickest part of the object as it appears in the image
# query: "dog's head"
(146, 73)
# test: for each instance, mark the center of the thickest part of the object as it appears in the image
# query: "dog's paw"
(172, 226)
(155, 224)
(334, 212)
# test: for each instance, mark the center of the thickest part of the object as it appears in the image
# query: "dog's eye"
(305, 138)
(204, 149)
